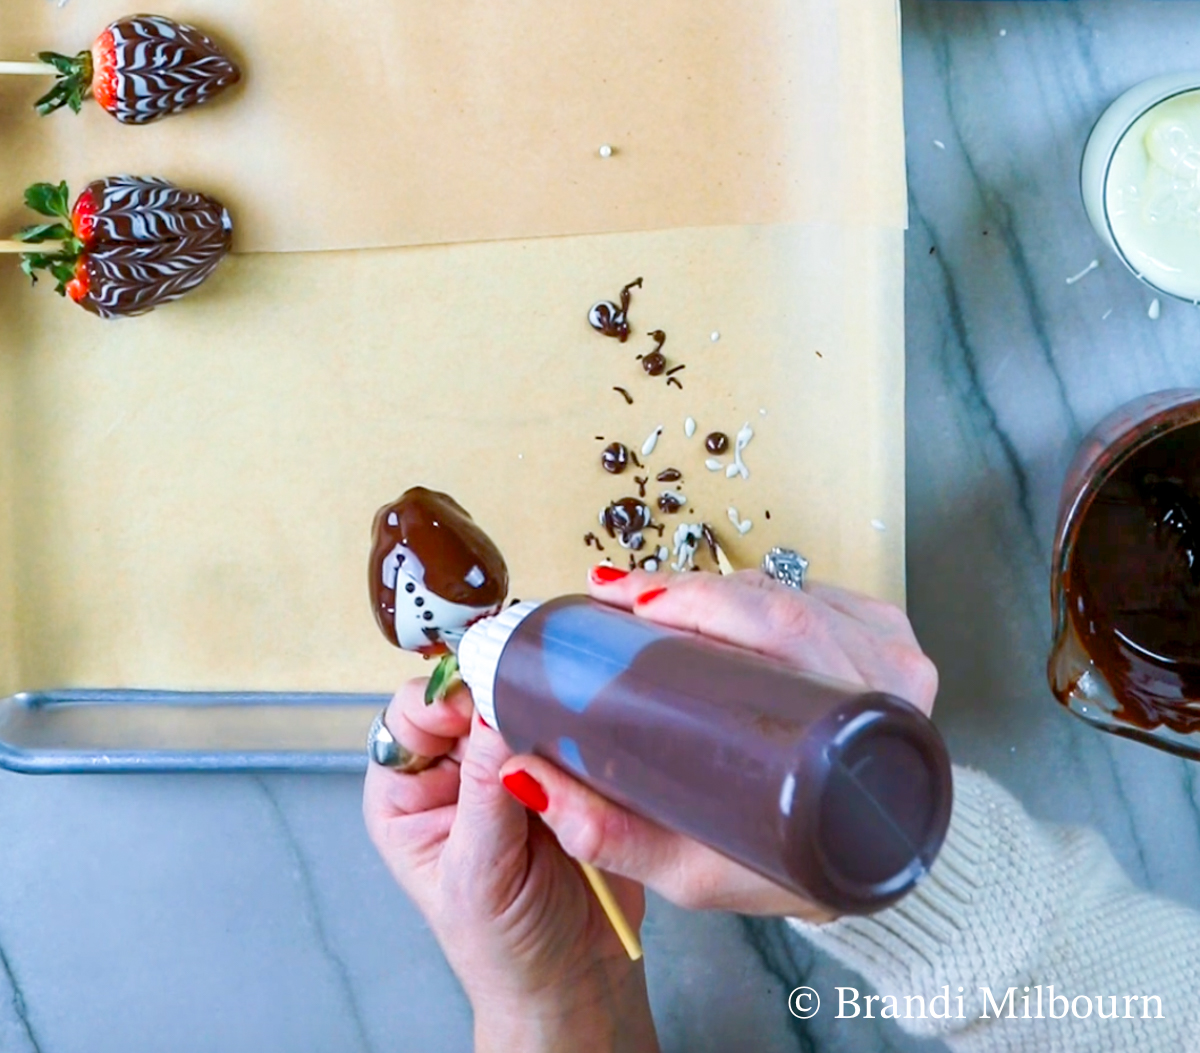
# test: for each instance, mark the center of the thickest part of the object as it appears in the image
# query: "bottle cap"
(479, 654)
(878, 804)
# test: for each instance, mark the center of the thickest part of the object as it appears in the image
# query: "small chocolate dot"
(615, 458)
(410, 587)
(420, 601)
(428, 616)
(654, 363)
(716, 442)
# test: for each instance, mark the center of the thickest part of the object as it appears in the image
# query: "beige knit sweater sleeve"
(1014, 908)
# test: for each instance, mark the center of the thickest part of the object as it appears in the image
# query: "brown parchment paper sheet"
(404, 122)
(188, 495)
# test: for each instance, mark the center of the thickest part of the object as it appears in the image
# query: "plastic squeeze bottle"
(837, 793)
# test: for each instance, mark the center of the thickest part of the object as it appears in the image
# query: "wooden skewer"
(24, 246)
(723, 563)
(616, 916)
(28, 69)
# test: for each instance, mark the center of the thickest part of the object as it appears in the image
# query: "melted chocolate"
(625, 519)
(669, 475)
(161, 67)
(710, 539)
(670, 502)
(460, 562)
(615, 458)
(609, 319)
(625, 395)
(675, 381)
(1133, 583)
(654, 363)
(590, 539)
(152, 242)
(716, 442)
(641, 481)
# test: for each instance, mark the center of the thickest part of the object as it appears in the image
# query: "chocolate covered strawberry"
(432, 572)
(128, 244)
(139, 69)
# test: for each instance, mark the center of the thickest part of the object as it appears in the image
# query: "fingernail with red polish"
(526, 789)
(605, 575)
(482, 723)
(650, 594)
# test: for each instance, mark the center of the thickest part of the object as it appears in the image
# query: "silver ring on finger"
(786, 566)
(384, 750)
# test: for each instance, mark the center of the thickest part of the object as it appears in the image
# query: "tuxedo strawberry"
(140, 69)
(432, 572)
(128, 244)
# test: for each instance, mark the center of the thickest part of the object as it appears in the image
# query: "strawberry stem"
(53, 201)
(72, 85)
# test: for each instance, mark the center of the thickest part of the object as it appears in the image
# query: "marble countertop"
(251, 913)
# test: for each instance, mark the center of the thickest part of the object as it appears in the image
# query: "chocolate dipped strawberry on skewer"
(128, 244)
(432, 574)
(139, 69)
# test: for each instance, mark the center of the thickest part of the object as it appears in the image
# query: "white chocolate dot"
(714, 336)
(606, 150)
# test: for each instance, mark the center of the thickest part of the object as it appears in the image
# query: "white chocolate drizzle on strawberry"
(153, 242)
(162, 67)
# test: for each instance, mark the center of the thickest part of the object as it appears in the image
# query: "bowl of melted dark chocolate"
(1126, 575)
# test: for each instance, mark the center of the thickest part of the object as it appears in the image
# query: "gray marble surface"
(241, 913)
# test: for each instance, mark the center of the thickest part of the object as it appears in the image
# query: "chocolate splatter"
(609, 319)
(654, 363)
(625, 395)
(716, 442)
(626, 519)
(615, 458)
(669, 475)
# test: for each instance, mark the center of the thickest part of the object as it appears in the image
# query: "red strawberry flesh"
(104, 71)
(83, 217)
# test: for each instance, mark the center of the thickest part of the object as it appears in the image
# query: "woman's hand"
(822, 630)
(518, 924)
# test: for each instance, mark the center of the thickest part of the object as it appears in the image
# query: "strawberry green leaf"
(62, 63)
(63, 272)
(49, 200)
(73, 84)
(45, 232)
(442, 680)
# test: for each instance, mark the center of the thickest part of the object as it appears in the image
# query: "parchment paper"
(402, 122)
(187, 496)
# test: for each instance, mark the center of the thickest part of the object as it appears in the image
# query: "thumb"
(490, 827)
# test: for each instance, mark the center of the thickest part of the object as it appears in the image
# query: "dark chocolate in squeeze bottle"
(838, 793)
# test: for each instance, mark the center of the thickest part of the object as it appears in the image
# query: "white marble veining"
(251, 914)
